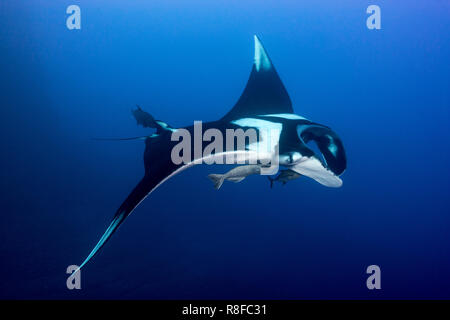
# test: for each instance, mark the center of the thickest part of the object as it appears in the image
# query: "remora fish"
(235, 175)
(264, 105)
(284, 177)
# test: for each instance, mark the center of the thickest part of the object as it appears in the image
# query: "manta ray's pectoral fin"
(143, 188)
(147, 121)
(143, 118)
(264, 93)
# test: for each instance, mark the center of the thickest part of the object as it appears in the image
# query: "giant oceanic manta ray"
(264, 104)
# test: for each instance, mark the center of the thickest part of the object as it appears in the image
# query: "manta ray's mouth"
(315, 169)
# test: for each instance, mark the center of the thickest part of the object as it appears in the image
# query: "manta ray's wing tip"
(261, 59)
(257, 41)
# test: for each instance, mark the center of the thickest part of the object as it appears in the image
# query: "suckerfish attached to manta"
(235, 175)
(284, 177)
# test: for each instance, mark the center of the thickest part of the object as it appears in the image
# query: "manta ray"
(264, 104)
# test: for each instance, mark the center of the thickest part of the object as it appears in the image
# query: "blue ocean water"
(385, 92)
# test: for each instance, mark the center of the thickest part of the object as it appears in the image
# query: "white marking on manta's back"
(165, 126)
(269, 133)
(289, 116)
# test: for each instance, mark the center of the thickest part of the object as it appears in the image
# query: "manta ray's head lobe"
(330, 146)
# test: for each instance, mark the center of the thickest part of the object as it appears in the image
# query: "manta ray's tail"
(217, 179)
(131, 202)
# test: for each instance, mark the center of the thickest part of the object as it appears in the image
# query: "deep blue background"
(385, 92)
